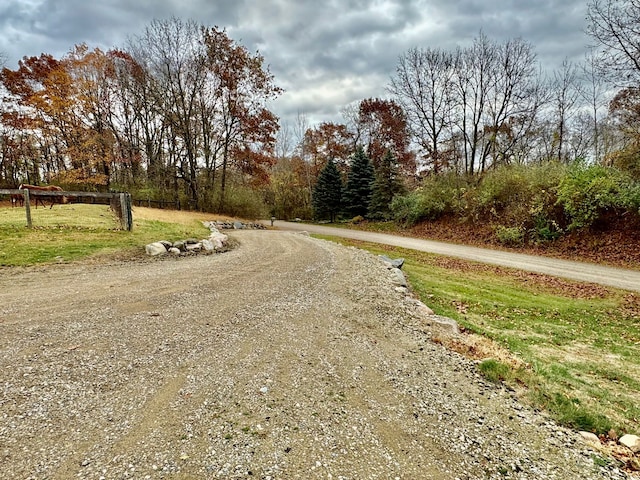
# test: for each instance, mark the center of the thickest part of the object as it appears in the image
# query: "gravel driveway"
(286, 358)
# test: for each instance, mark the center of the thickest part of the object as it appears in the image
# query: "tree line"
(176, 113)
(181, 113)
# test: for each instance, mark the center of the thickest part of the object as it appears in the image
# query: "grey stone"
(444, 322)
(395, 263)
(180, 245)
(398, 277)
(174, 251)
(238, 225)
(194, 247)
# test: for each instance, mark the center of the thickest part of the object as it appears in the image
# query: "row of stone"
(419, 309)
(234, 225)
(217, 241)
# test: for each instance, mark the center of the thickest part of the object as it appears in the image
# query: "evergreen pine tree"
(386, 186)
(327, 194)
(357, 193)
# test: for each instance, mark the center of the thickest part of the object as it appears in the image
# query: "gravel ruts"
(285, 358)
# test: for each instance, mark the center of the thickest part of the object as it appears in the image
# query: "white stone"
(155, 249)
(423, 310)
(632, 442)
(174, 251)
(207, 245)
(590, 438)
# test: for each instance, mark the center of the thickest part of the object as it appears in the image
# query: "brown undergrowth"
(611, 242)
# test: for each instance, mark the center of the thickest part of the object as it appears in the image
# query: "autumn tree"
(382, 126)
(624, 114)
(244, 125)
(327, 141)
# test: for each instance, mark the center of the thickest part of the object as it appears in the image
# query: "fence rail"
(120, 202)
(146, 202)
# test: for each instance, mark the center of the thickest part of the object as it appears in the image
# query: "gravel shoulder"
(623, 278)
(288, 357)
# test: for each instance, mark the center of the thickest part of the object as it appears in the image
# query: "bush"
(517, 194)
(589, 191)
(407, 209)
(438, 196)
(510, 236)
(244, 202)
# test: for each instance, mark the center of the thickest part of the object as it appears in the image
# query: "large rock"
(219, 240)
(156, 248)
(392, 263)
(398, 277)
(591, 438)
(632, 442)
(207, 245)
(194, 247)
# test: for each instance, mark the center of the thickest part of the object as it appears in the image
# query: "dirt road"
(584, 272)
(286, 358)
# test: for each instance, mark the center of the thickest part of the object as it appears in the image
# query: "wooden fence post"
(27, 207)
(125, 209)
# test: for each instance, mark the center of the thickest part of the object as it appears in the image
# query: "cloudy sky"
(325, 54)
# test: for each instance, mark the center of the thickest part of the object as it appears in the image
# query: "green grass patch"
(579, 343)
(71, 232)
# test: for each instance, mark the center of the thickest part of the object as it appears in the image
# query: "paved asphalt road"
(584, 272)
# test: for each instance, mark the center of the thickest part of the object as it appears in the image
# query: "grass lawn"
(74, 231)
(573, 349)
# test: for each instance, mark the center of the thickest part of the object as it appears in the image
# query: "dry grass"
(176, 216)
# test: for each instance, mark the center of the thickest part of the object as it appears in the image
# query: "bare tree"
(498, 95)
(173, 54)
(423, 86)
(565, 93)
(593, 92)
(615, 26)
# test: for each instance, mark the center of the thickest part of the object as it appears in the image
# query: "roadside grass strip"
(574, 348)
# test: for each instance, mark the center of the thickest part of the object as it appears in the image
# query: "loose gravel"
(286, 358)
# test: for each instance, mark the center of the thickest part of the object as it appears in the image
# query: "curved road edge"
(584, 272)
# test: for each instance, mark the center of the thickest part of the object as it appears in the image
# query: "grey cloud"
(325, 54)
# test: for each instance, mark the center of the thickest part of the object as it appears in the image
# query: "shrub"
(407, 209)
(437, 196)
(588, 191)
(518, 194)
(510, 236)
(244, 202)
(545, 230)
